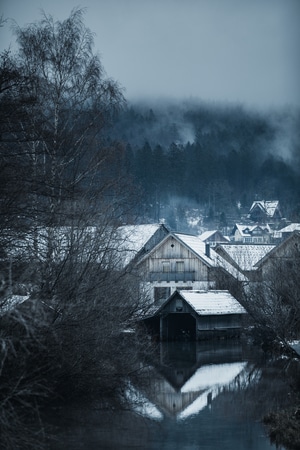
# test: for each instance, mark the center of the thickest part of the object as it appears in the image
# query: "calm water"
(191, 396)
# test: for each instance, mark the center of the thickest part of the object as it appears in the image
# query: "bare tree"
(274, 302)
(64, 196)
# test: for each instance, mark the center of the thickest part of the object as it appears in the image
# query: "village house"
(252, 234)
(196, 315)
(182, 261)
(264, 211)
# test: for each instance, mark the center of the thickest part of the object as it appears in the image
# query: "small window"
(166, 266)
(179, 304)
(179, 266)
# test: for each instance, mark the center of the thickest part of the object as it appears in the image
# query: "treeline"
(216, 158)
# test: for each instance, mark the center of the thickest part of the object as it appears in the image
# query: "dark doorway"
(181, 327)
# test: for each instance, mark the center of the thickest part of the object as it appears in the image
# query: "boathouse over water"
(196, 315)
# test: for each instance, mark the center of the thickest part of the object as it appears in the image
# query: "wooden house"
(196, 315)
(251, 234)
(182, 261)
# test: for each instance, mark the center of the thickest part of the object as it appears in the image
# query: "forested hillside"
(216, 159)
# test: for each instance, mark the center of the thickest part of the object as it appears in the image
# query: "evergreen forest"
(216, 159)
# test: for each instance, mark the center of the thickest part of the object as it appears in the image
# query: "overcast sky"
(245, 51)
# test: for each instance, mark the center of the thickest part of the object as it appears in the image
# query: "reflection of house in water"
(179, 390)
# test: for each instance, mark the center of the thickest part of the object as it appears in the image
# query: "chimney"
(207, 249)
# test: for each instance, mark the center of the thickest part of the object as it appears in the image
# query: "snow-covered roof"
(208, 234)
(195, 244)
(290, 228)
(247, 255)
(204, 303)
(134, 238)
(207, 303)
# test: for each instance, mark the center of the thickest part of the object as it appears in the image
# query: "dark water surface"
(191, 396)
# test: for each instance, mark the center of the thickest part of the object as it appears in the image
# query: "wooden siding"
(223, 322)
(173, 252)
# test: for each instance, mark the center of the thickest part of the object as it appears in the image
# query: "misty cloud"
(215, 50)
